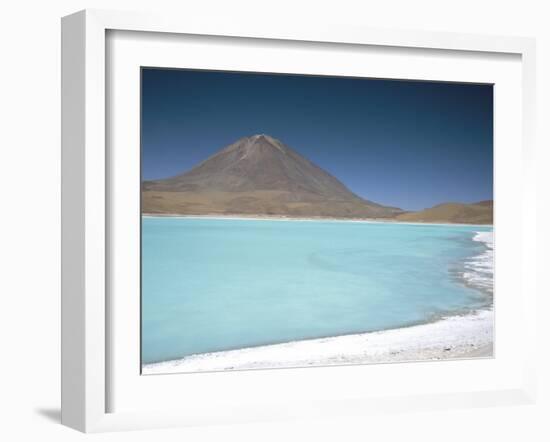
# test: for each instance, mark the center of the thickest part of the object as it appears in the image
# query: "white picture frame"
(85, 208)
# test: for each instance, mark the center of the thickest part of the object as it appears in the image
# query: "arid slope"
(477, 213)
(258, 175)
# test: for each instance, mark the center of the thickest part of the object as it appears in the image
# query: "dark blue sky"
(402, 143)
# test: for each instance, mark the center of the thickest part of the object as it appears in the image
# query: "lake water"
(220, 284)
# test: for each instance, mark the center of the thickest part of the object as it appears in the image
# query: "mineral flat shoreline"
(288, 218)
(454, 337)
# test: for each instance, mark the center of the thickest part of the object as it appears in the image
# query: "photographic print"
(301, 220)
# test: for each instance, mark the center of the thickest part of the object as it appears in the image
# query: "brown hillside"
(477, 213)
(258, 175)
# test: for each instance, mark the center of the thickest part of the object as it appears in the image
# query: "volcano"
(258, 175)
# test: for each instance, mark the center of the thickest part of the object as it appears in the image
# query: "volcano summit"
(258, 175)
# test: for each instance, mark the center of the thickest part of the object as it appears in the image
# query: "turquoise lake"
(220, 284)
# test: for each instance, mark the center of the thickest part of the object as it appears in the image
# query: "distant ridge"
(258, 175)
(475, 213)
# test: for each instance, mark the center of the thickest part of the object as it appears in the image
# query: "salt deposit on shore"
(453, 337)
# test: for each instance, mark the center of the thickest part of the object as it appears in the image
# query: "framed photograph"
(253, 255)
(264, 222)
